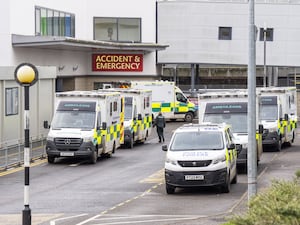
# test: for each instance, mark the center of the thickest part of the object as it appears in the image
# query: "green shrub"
(278, 205)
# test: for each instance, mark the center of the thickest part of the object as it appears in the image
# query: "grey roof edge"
(40, 41)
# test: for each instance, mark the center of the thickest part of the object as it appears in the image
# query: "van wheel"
(145, 139)
(234, 180)
(94, 157)
(225, 188)
(170, 189)
(189, 117)
(279, 144)
(51, 159)
(130, 144)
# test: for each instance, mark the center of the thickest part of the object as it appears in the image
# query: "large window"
(11, 101)
(50, 22)
(117, 29)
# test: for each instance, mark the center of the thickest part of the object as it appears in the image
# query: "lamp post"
(26, 75)
(265, 51)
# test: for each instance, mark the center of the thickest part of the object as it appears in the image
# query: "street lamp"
(265, 51)
(26, 75)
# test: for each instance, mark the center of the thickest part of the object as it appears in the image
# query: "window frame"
(11, 101)
(116, 29)
(269, 32)
(58, 22)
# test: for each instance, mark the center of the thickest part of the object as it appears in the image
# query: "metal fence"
(13, 154)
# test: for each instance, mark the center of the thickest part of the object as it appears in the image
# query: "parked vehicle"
(278, 114)
(231, 107)
(201, 155)
(138, 114)
(166, 98)
(85, 124)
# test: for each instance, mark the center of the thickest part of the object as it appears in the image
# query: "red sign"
(117, 62)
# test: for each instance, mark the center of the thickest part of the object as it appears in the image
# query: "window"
(225, 33)
(117, 29)
(11, 101)
(115, 106)
(50, 22)
(269, 34)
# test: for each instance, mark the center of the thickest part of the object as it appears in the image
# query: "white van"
(201, 155)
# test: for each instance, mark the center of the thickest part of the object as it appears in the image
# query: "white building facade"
(214, 33)
(76, 45)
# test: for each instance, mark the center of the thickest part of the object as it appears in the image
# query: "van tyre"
(130, 143)
(170, 189)
(279, 144)
(225, 188)
(234, 180)
(94, 157)
(189, 117)
(51, 159)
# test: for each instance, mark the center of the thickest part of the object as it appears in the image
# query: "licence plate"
(194, 177)
(67, 154)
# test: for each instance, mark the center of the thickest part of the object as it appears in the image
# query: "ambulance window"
(115, 106)
(180, 97)
(110, 109)
(147, 102)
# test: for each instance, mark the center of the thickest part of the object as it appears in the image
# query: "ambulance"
(86, 124)
(168, 99)
(137, 114)
(231, 107)
(201, 155)
(278, 114)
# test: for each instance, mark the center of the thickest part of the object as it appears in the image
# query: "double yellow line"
(16, 169)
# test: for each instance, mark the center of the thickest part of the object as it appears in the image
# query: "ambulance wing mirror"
(104, 126)
(231, 146)
(286, 117)
(140, 116)
(260, 128)
(46, 124)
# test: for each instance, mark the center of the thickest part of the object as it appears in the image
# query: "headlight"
(88, 139)
(218, 160)
(50, 138)
(171, 161)
(272, 129)
(127, 127)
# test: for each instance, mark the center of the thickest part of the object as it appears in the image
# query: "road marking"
(52, 222)
(14, 170)
(157, 177)
(120, 204)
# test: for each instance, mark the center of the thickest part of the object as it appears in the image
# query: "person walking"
(160, 124)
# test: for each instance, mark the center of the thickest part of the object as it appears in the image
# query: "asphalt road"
(129, 189)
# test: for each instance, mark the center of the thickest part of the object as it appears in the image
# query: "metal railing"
(12, 152)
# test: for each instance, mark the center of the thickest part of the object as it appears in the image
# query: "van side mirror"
(46, 124)
(260, 128)
(104, 126)
(164, 148)
(140, 116)
(231, 146)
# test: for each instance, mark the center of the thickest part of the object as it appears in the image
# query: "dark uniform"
(160, 124)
